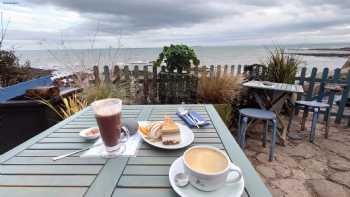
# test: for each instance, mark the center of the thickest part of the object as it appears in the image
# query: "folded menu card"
(199, 120)
(127, 149)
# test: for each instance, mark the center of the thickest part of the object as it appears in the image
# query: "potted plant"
(281, 66)
(177, 57)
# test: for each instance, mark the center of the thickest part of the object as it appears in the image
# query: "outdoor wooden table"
(28, 169)
(273, 96)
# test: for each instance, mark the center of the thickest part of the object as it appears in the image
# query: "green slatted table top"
(28, 169)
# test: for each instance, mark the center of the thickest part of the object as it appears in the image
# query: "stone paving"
(304, 169)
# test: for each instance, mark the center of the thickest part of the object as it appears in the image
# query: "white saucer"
(83, 133)
(187, 138)
(229, 190)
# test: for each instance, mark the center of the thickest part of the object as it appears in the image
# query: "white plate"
(229, 190)
(187, 138)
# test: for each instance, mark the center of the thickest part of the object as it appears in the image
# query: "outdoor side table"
(28, 169)
(273, 96)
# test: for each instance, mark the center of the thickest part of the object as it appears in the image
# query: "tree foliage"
(179, 57)
(12, 72)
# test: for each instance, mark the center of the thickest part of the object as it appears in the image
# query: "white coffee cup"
(209, 168)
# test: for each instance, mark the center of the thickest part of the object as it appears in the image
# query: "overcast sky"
(39, 24)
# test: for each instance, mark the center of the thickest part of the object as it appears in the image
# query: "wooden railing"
(317, 89)
(159, 86)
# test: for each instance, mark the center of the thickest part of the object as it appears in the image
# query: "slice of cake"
(169, 126)
(170, 132)
(172, 138)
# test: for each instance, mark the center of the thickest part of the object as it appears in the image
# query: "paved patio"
(304, 169)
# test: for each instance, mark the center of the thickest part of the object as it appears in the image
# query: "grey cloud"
(138, 15)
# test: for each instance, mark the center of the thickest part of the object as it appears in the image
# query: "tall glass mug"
(108, 117)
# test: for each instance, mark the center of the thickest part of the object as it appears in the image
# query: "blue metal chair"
(260, 114)
(315, 107)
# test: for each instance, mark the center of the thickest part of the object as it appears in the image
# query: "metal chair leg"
(314, 124)
(243, 131)
(273, 142)
(327, 124)
(303, 121)
(239, 128)
(264, 139)
(291, 118)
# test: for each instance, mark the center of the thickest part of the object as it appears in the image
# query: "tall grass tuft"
(219, 90)
(70, 105)
(106, 90)
(282, 67)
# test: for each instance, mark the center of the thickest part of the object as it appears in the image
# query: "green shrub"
(282, 67)
(12, 72)
(179, 57)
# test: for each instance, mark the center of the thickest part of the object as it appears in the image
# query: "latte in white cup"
(208, 168)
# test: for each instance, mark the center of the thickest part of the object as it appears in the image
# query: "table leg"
(259, 100)
(314, 124)
(305, 115)
(276, 104)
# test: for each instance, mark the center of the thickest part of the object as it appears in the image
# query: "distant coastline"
(343, 52)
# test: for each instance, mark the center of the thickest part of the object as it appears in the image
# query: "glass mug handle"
(126, 135)
(234, 170)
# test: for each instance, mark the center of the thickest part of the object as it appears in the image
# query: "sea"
(65, 61)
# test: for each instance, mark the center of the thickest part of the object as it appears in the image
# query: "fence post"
(106, 74)
(194, 85)
(204, 72)
(218, 71)
(232, 71)
(256, 72)
(344, 99)
(335, 80)
(239, 69)
(145, 84)
(126, 73)
(309, 95)
(195, 70)
(225, 69)
(264, 73)
(135, 72)
(323, 82)
(162, 89)
(301, 81)
(154, 84)
(188, 88)
(211, 74)
(116, 74)
(310, 91)
(97, 75)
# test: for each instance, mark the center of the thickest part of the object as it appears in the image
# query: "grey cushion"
(258, 113)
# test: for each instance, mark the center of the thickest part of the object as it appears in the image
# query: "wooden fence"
(159, 86)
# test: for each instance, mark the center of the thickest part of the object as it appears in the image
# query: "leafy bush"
(282, 67)
(179, 57)
(219, 90)
(11, 72)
